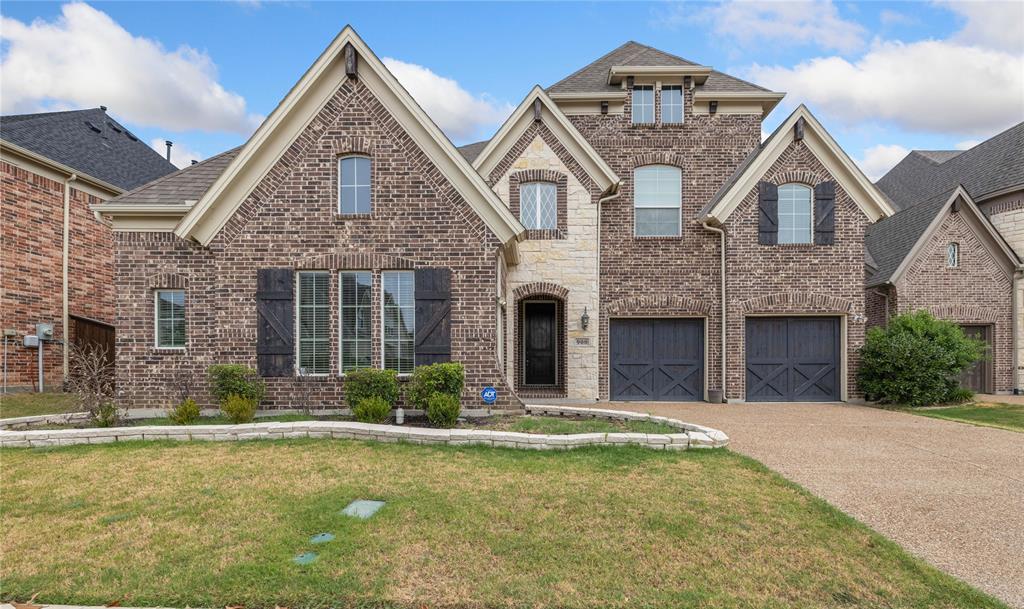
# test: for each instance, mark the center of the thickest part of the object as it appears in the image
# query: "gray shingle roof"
(593, 77)
(888, 241)
(993, 165)
(471, 151)
(188, 184)
(88, 141)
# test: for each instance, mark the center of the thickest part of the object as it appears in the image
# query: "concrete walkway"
(948, 492)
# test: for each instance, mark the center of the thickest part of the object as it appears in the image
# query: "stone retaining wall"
(690, 436)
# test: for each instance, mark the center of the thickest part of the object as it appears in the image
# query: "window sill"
(545, 233)
(344, 217)
(658, 237)
(169, 350)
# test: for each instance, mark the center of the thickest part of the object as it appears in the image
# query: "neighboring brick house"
(579, 256)
(89, 157)
(940, 254)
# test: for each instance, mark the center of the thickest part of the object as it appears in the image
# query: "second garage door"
(793, 359)
(657, 359)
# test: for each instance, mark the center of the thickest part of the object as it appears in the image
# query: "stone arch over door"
(540, 340)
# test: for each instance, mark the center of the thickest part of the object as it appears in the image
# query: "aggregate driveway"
(948, 492)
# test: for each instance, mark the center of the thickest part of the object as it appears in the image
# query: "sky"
(883, 77)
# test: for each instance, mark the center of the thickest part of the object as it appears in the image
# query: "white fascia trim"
(617, 73)
(865, 194)
(555, 120)
(59, 168)
(588, 96)
(768, 99)
(301, 105)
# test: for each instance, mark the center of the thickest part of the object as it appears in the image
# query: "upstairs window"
(953, 255)
(657, 199)
(399, 312)
(794, 213)
(354, 185)
(356, 320)
(170, 319)
(314, 312)
(643, 104)
(672, 105)
(538, 205)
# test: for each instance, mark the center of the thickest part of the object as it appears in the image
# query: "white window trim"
(810, 213)
(383, 363)
(341, 322)
(678, 208)
(953, 255)
(156, 319)
(682, 105)
(369, 185)
(298, 324)
(654, 102)
(537, 206)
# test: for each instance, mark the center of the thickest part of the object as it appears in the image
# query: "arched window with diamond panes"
(538, 205)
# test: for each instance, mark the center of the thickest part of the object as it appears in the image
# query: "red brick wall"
(31, 241)
(977, 292)
(290, 220)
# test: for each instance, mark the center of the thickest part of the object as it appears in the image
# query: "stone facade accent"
(290, 220)
(31, 239)
(1007, 215)
(560, 180)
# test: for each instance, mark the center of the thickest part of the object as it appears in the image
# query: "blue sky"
(883, 77)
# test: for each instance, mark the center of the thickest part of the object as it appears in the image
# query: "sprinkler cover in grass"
(321, 538)
(362, 508)
(305, 558)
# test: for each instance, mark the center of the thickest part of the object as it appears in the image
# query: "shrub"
(961, 395)
(372, 410)
(185, 413)
(91, 379)
(239, 409)
(371, 383)
(443, 410)
(916, 360)
(227, 380)
(435, 378)
(106, 415)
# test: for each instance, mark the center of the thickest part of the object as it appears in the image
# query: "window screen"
(399, 312)
(314, 312)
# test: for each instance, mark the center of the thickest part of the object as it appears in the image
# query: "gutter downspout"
(65, 318)
(610, 197)
(1018, 330)
(721, 236)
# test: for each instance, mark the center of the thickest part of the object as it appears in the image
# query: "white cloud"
(930, 85)
(84, 59)
(966, 144)
(890, 18)
(798, 22)
(456, 111)
(181, 155)
(998, 25)
(879, 159)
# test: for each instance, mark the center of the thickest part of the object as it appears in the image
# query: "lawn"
(1003, 416)
(215, 524)
(30, 404)
(562, 425)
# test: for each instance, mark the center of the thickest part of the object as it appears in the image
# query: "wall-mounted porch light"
(584, 319)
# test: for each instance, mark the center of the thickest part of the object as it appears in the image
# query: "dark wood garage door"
(793, 359)
(657, 359)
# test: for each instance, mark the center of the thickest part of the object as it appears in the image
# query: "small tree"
(91, 379)
(916, 360)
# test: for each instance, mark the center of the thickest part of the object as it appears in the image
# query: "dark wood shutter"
(825, 213)
(768, 213)
(275, 328)
(433, 316)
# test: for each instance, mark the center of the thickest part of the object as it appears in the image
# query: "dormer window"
(672, 105)
(353, 185)
(643, 104)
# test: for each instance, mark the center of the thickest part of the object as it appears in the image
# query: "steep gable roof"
(891, 243)
(840, 165)
(552, 117)
(991, 167)
(88, 141)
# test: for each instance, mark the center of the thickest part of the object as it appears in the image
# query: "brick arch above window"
(963, 313)
(654, 304)
(354, 261)
(561, 182)
(658, 158)
(172, 281)
(797, 302)
(540, 288)
(799, 176)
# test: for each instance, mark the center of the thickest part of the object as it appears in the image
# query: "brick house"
(595, 248)
(955, 248)
(53, 167)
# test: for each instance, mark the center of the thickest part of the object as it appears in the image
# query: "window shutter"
(768, 213)
(433, 315)
(825, 213)
(275, 335)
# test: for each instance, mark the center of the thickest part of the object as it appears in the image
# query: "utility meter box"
(44, 331)
(31, 341)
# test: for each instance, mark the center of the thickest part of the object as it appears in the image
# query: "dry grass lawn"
(213, 524)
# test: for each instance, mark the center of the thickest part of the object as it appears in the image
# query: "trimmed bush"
(916, 360)
(443, 410)
(371, 383)
(372, 410)
(185, 413)
(235, 379)
(447, 378)
(239, 409)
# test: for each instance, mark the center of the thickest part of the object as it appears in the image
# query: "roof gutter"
(69, 171)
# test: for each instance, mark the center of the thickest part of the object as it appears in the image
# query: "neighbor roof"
(188, 184)
(995, 165)
(471, 151)
(593, 78)
(88, 141)
(888, 241)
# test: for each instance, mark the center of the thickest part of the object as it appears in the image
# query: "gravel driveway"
(949, 492)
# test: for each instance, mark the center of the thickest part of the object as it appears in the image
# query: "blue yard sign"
(489, 395)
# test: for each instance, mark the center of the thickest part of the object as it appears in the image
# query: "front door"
(977, 376)
(540, 335)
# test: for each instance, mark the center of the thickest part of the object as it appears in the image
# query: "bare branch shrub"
(91, 379)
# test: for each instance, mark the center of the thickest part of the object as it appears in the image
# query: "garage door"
(793, 359)
(657, 359)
